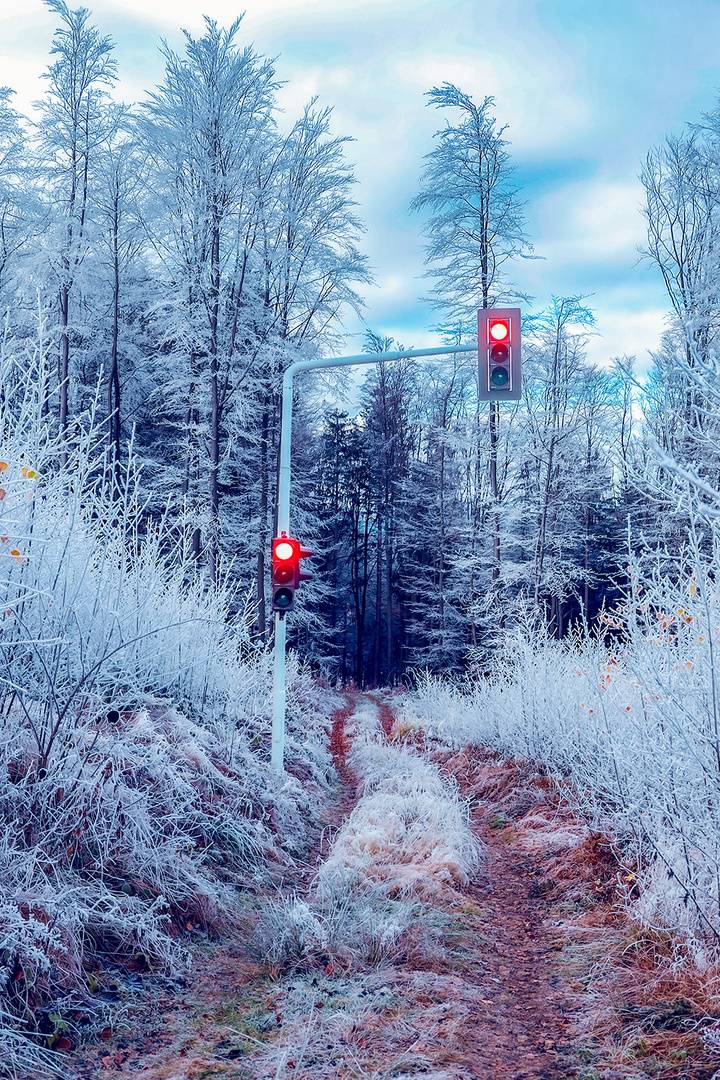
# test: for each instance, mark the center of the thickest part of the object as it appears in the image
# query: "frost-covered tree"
(310, 267)
(682, 211)
(16, 194)
(390, 428)
(120, 239)
(475, 227)
(313, 262)
(74, 125)
(205, 128)
(476, 223)
(566, 481)
(436, 528)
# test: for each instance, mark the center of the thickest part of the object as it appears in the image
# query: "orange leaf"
(3, 465)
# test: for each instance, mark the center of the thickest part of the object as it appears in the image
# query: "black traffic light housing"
(286, 572)
(499, 371)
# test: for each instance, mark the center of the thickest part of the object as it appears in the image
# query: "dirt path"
(528, 1007)
(472, 994)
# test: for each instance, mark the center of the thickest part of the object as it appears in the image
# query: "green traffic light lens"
(499, 376)
(283, 598)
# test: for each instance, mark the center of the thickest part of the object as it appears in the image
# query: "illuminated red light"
(499, 331)
(284, 550)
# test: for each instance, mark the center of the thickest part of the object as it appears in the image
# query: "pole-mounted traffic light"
(286, 572)
(499, 354)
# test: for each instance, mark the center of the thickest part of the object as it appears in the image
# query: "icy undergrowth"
(637, 731)
(407, 840)
(136, 794)
(409, 834)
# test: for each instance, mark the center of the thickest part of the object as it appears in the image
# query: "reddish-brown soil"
(480, 989)
(528, 1006)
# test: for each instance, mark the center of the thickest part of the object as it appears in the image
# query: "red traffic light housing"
(286, 572)
(499, 354)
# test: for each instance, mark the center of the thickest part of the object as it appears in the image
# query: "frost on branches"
(134, 764)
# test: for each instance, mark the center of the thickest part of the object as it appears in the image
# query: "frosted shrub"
(342, 926)
(135, 786)
(636, 728)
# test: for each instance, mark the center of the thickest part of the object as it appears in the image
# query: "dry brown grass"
(645, 1006)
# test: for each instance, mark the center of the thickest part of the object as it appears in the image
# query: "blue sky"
(587, 87)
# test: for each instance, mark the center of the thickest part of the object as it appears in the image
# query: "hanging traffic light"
(499, 354)
(286, 572)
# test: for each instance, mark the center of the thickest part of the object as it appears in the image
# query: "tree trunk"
(388, 608)
(214, 406)
(63, 368)
(113, 398)
(378, 606)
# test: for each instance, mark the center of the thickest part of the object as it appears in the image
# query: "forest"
(540, 576)
(163, 263)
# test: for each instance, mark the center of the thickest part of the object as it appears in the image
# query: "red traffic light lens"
(284, 550)
(499, 331)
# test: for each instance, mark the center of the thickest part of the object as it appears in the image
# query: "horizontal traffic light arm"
(283, 523)
(283, 519)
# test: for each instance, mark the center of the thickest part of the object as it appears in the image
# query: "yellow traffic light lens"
(499, 331)
(283, 550)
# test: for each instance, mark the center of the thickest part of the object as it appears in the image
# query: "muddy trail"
(481, 984)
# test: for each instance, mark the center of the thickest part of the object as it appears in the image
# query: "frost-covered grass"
(635, 728)
(135, 787)
(409, 834)
(407, 840)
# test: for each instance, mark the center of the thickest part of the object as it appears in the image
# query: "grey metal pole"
(277, 752)
(283, 515)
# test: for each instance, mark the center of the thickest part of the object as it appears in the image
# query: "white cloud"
(543, 110)
(594, 220)
(624, 331)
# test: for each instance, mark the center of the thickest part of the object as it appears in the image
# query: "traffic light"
(499, 354)
(286, 572)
